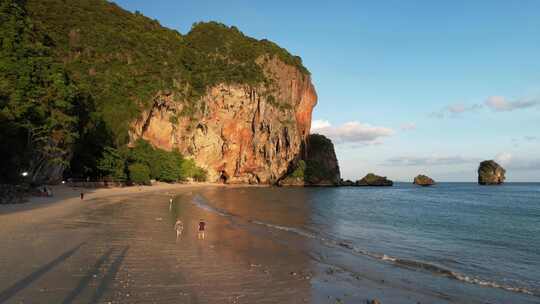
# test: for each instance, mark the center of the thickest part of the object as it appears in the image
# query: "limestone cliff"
(239, 133)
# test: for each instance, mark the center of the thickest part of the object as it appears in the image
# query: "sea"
(461, 240)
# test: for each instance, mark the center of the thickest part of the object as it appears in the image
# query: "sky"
(404, 87)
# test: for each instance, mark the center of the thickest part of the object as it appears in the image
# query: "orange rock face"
(240, 134)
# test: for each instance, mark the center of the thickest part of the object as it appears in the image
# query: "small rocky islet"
(423, 180)
(491, 173)
(372, 179)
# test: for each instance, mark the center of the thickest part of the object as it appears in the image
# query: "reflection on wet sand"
(246, 263)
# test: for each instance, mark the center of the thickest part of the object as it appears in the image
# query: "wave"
(345, 244)
(284, 228)
(199, 202)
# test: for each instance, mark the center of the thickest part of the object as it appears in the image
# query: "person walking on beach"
(202, 226)
(179, 227)
(170, 204)
(82, 196)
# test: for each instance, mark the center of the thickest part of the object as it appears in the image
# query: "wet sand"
(119, 246)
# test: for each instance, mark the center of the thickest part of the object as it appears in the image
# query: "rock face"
(490, 173)
(318, 166)
(423, 180)
(374, 180)
(238, 133)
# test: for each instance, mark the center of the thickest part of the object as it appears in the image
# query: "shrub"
(139, 173)
(112, 164)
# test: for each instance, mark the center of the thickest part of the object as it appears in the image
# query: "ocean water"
(483, 236)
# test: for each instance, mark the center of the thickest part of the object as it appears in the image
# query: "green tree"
(139, 173)
(113, 164)
(36, 98)
(191, 170)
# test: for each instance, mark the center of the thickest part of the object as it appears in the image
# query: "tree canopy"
(74, 75)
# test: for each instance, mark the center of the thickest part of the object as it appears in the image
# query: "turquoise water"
(487, 236)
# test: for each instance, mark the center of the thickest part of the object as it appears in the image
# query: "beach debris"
(293, 273)
(159, 219)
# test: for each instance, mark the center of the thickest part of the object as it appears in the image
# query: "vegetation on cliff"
(75, 74)
(144, 162)
(38, 100)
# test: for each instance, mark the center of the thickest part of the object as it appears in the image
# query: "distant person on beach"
(170, 204)
(202, 226)
(179, 227)
(82, 195)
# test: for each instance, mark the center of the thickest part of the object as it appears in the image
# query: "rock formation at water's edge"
(318, 166)
(491, 173)
(374, 180)
(423, 180)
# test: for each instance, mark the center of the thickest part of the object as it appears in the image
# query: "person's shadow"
(26, 281)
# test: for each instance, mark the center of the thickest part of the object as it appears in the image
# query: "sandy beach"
(119, 246)
(109, 248)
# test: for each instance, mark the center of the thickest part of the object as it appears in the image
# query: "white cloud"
(319, 124)
(408, 126)
(456, 110)
(495, 103)
(503, 158)
(428, 160)
(351, 132)
(501, 104)
(509, 162)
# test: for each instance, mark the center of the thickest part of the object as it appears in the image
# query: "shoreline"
(127, 232)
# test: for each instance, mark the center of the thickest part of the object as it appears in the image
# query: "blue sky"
(405, 87)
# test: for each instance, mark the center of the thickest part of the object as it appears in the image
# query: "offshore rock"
(423, 180)
(374, 180)
(346, 183)
(490, 173)
(318, 167)
(238, 133)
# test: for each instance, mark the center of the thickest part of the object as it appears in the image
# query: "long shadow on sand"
(25, 282)
(109, 276)
(87, 278)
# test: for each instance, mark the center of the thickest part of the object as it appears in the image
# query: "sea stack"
(490, 173)
(318, 167)
(423, 180)
(374, 180)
